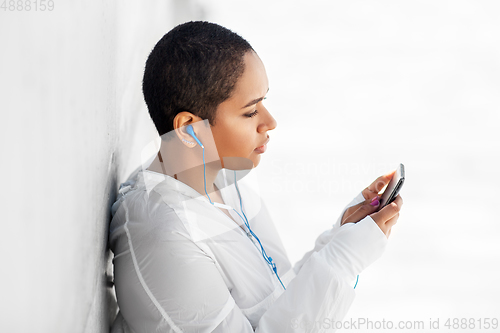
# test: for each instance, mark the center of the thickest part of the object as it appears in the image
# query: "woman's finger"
(349, 211)
(388, 212)
(399, 201)
(374, 188)
(387, 226)
(364, 210)
(392, 221)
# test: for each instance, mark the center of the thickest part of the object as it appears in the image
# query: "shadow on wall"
(110, 295)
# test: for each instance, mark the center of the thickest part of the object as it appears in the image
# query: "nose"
(268, 121)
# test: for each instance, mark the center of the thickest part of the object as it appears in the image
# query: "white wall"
(73, 123)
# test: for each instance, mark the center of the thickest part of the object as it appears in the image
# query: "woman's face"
(242, 121)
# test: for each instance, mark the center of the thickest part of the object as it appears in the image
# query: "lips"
(262, 149)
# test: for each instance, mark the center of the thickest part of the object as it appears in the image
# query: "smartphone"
(394, 186)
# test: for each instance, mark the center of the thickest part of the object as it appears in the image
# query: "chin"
(256, 161)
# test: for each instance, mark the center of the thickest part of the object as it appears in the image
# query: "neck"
(195, 177)
(187, 166)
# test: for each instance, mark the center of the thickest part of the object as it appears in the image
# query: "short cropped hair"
(194, 68)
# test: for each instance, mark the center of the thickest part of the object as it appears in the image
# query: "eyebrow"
(255, 101)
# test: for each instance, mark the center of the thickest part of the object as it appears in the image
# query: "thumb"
(364, 210)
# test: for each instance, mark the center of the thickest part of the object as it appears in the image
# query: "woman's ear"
(181, 120)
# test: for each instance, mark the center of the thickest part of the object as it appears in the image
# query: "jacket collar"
(152, 179)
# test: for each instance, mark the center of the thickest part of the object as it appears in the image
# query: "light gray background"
(356, 87)
(360, 86)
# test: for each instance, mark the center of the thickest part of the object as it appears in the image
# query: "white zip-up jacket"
(182, 265)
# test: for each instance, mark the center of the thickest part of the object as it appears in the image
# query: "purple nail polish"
(375, 203)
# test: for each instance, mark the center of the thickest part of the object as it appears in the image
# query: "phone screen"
(394, 186)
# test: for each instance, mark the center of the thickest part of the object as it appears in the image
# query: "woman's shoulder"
(138, 202)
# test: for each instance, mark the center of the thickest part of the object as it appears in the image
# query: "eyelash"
(250, 115)
(253, 114)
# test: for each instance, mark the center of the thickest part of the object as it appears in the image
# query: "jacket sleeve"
(322, 291)
(327, 235)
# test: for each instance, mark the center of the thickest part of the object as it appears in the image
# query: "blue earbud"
(190, 131)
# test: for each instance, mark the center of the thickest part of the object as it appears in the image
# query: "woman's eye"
(250, 115)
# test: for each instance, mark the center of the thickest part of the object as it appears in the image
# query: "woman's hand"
(386, 217)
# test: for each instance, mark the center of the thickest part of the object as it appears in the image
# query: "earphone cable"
(205, 177)
(268, 259)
